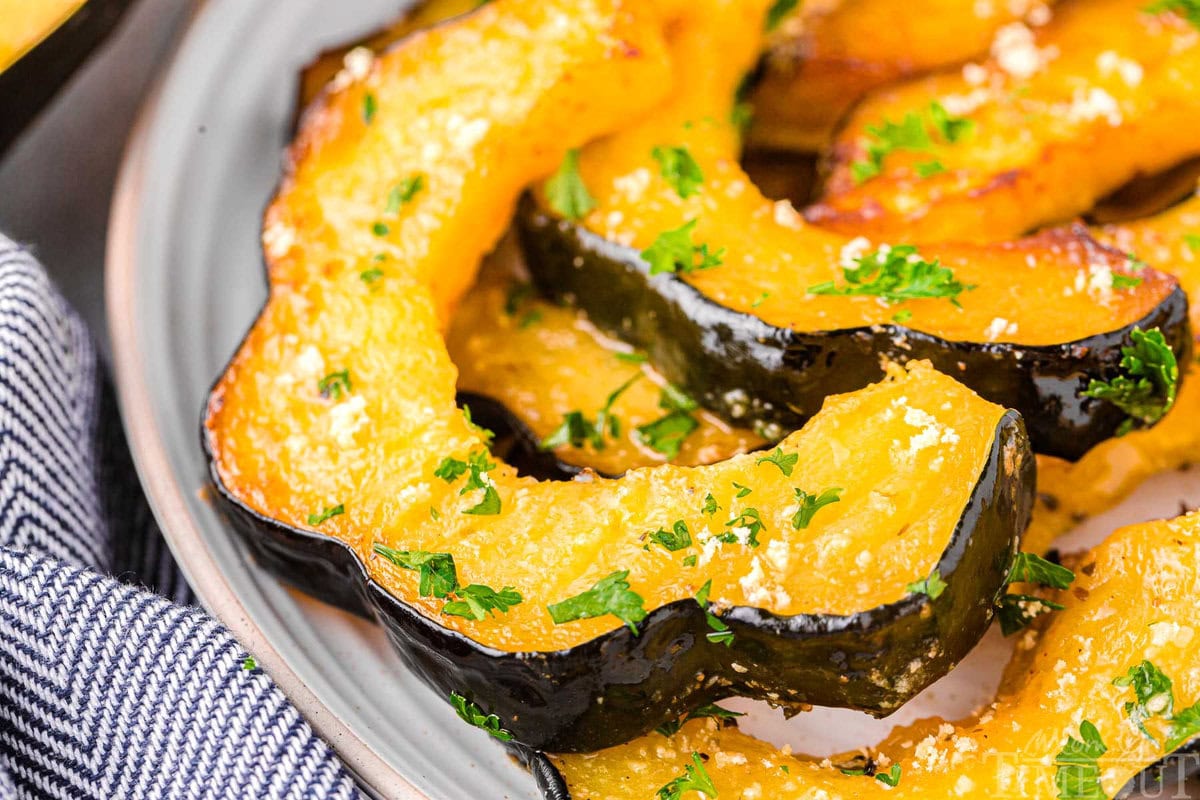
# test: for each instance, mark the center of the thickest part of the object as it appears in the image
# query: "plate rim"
(153, 466)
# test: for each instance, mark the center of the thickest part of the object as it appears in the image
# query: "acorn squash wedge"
(1056, 120)
(1132, 603)
(831, 53)
(574, 399)
(1068, 493)
(42, 43)
(569, 609)
(759, 315)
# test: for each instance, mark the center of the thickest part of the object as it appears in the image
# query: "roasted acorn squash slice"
(1055, 121)
(1133, 601)
(768, 330)
(336, 443)
(832, 52)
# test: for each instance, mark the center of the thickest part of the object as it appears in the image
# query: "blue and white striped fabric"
(112, 687)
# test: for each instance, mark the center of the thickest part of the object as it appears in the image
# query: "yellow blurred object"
(28, 22)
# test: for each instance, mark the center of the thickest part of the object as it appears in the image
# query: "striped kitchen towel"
(112, 683)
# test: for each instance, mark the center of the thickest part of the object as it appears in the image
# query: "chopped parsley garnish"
(477, 602)
(631, 358)
(1122, 281)
(1146, 390)
(516, 296)
(666, 434)
(896, 274)
(1016, 611)
(912, 134)
(750, 521)
(1188, 9)
(489, 505)
(248, 663)
(703, 712)
(335, 385)
(785, 461)
(1032, 568)
(1184, 727)
(380, 229)
(450, 469)
(932, 587)
(370, 106)
(1077, 773)
(327, 514)
(902, 316)
(477, 465)
(679, 169)
(531, 317)
(576, 429)
(693, 779)
(710, 505)
(610, 595)
(675, 539)
(718, 631)
(690, 561)
(778, 11)
(403, 192)
(371, 275)
(1192, 240)
(810, 504)
(673, 251)
(891, 777)
(438, 576)
(1153, 696)
(472, 714)
(483, 432)
(566, 192)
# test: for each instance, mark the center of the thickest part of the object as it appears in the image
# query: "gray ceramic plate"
(184, 282)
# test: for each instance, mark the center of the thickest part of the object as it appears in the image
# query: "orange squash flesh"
(284, 450)
(543, 361)
(1104, 92)
(833, 52)
(1134, 598)
(1106, 475)
(1024, 290)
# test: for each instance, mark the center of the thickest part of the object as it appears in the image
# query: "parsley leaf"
(631, 358)
(676, 539)
(719, 632)
(1016, 611)
(369, 276)
(403, 193)
(911, 134)
(483, 432)
(472, 714)
(710, 505)
(1122, 281)
(1146, 391)
(896, 274)
(673, 251)
(369, 108)
(750, 521)
(778, 11)
(703, 712)
(1192, 240)
(450, 469)
(952, 129)
(438, 576)
(810, 504)
(777, 457)
(328, 513)
(489, 505)
(693, 779)
(1184, 726)
(1188, 9)
(666, 434)
(932, 587)
(1152, 693)
(891, 777)
(248, 663)
(1032, 568)
(478, 467)
(610, 595)
(1077, 775)
(335, 385)
(679, 169)
(476, 601)
(927, 169)
(742, 490)
(566, 192)
(576, 429)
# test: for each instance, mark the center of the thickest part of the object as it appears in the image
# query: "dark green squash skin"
(619, 686)
(32, 81)
(753, 373)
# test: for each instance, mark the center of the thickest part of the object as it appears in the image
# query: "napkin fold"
(113, 684)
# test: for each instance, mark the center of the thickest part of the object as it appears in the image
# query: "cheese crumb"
(1016, 52)
(346, 419)
(1130, 71)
